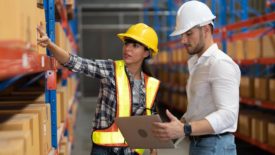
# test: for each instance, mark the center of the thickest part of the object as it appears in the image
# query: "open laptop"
(137, 131)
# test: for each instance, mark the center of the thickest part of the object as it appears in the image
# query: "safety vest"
(112, 136)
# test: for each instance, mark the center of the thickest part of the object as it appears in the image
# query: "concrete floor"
(82, 144)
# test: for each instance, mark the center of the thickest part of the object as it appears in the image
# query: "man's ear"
(207, 28)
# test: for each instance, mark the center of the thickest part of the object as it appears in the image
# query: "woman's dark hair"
(145, 64)
(146, 67)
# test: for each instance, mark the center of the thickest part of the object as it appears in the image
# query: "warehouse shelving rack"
(18, 61)
(231, 30)
(51, 81)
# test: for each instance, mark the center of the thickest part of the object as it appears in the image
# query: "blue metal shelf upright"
(50, 93)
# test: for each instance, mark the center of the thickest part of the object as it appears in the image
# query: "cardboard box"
(11, 21)
(247, 87)
(34, 125)
(230, 49)
(259, 129)
(40, 20)
(244, 124)
(64, 101)
(272, 90)
(261, 90)
(59, 35)
(271, 133)
(10, 122)
(252, 48)
(239, 49)
(235, 49)
(44, 116)
(18, 24)
(18, 135)
(269, 46)
(12, 147)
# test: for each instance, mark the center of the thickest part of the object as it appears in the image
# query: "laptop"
(137, 131)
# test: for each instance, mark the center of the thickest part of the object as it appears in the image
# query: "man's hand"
(43, 39)
(153, 152)
(168, 130)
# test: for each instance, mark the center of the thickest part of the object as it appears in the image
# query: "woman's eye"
(136, 45)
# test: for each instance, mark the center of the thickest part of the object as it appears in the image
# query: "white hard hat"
(190, 14)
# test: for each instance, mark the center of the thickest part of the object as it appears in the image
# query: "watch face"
(187, 129)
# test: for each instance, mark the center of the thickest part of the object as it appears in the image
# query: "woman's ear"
(147, 53)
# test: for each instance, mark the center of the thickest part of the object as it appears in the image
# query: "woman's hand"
(153, 152)
(43, 39)
(60, 54)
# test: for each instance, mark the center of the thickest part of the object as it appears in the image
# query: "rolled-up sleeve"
(225, 80)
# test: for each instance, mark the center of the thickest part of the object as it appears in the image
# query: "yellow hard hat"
(143, 34)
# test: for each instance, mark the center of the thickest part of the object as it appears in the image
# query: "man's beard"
(199, 47)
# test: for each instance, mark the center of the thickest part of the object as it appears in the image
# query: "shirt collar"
(131, 78)
(197, 60)
(210, 51)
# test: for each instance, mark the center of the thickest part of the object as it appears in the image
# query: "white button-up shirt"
(213, 90)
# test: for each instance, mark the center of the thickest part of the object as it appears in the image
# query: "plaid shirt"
(106, 107)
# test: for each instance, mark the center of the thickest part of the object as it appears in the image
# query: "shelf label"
(258, 103)
(45, 129)
(25, 62)
(42, 61)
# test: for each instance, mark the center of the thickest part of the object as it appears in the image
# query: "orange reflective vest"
(112, 136)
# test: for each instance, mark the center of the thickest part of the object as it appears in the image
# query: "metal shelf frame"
(232, 30)
(19, 59)
(255, 143)
(50, 92)
(51, 75)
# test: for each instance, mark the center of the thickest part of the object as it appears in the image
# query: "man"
(212, 88)
(127, 87)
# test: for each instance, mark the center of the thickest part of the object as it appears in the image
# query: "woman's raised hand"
(43, 39)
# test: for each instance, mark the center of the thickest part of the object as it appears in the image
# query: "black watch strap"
(187, 129)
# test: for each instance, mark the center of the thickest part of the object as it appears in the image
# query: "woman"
(127, 88)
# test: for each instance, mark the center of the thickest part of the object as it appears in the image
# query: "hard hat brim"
(179, 32)
(121, 36)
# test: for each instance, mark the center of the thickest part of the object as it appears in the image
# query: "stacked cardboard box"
(269, 46)
(8, 136)
(247, 87)
(22, 122)
(18, 22)
(261, 88)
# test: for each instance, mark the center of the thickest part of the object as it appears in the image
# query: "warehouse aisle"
(82, 141)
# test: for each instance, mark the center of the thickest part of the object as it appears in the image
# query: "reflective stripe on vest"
(139, 151)
(112, 136)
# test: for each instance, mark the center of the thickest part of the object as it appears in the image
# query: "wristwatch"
(187, 129)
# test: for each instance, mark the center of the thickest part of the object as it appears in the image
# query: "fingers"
(43, 40)
(40, 30)
(160, 131)
(171, 116)
(43, 45)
